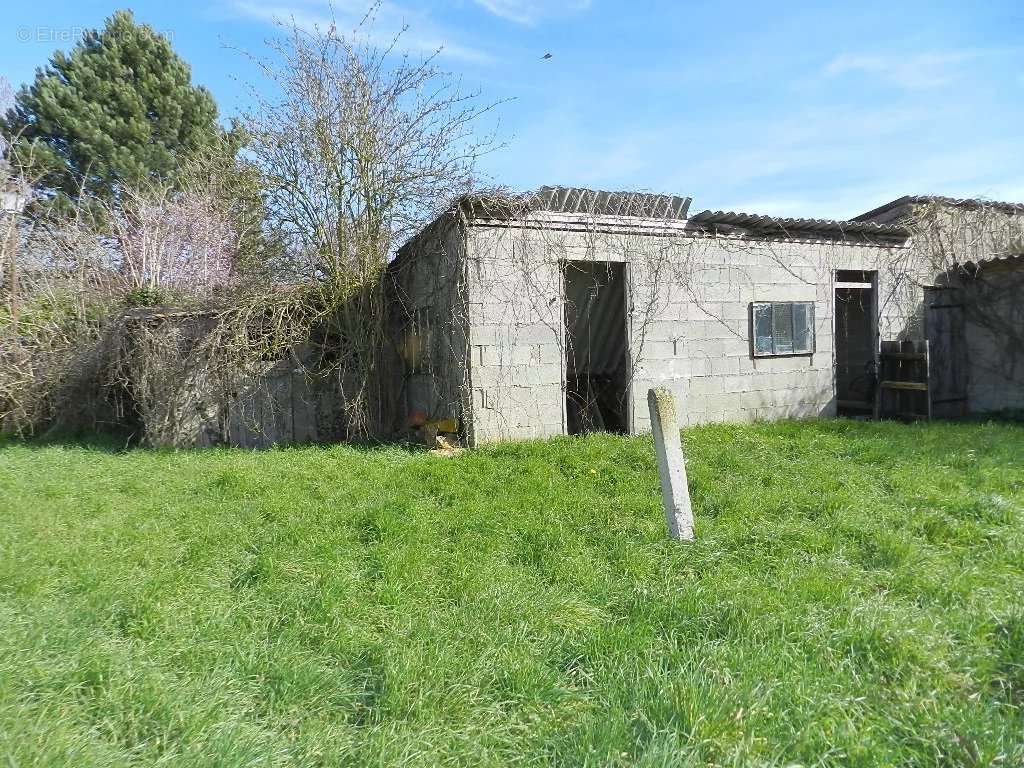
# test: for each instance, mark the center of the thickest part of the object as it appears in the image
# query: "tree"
(119, 109)
(359, 149)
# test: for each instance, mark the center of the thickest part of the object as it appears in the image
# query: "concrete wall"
(948, 235)
(516, 337)
(291, 406)
(994, 337)
(428, 364)
(689, 302)
(188, 406)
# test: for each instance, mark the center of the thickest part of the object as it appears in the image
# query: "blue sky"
(796, 108)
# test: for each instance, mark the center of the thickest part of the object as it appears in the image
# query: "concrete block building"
(974, 306)
(554, 313)
(991, 297)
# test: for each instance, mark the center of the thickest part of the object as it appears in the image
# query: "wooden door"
(944, 326)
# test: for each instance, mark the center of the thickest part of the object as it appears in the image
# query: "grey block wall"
(701, 345)
(994, 337)
(689, 304)
(516, 337)
(429, 312)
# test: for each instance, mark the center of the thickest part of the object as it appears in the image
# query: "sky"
(811, 109)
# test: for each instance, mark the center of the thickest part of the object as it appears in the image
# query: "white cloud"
(826, 160)
(957, 172)
(911, 71)
(532, 11)
(421, 34)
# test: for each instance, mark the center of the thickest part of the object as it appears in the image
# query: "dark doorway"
(597, 359)
(855, 339)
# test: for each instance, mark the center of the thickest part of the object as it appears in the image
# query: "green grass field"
(855, 597)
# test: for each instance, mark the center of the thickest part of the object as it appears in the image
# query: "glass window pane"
(762, 329)
(782, 328)
(803, 327)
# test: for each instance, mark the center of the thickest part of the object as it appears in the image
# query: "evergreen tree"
(119, 109)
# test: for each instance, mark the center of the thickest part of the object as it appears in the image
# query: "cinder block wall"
(428, 309)
(993, 333)
(516, 337)
(689, 323)
(700, 346)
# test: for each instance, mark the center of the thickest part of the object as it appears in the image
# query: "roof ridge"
(610, 203)
(764, 221)
(978, 202)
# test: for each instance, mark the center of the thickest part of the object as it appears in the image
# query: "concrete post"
(671, 464)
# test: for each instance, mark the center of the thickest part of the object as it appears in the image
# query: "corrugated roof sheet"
(1009, 260)
(775, 226)
(599, 202)
(579, 200)
(966, 202)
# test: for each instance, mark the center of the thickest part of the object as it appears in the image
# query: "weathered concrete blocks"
(533, 333)
(695, 337)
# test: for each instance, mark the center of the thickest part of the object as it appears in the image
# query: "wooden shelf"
(915, 386)
(904, 355)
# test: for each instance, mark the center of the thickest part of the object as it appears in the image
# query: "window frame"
(754, 305)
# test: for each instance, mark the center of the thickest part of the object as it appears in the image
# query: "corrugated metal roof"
(776, 226)
(962, 202)
(1009, 260)
(653, 208)
(579, 200)
(601, 203)
(973, 269)
(645, 205)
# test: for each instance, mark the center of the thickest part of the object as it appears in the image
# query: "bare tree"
(362, 147)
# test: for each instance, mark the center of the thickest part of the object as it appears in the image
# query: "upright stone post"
(671, 464)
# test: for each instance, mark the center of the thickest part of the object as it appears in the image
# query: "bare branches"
(963, 243)
(360, 149)
(949, 234)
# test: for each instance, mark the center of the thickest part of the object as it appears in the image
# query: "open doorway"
(597, 358)
(855, 338)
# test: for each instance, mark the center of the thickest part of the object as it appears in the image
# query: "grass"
(855, 598)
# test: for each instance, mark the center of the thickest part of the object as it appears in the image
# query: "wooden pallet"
(903, 389)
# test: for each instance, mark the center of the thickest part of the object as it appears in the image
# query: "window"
(783, 328)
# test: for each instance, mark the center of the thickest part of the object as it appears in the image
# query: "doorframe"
(563, 338)
(627, 313)
(874, 331)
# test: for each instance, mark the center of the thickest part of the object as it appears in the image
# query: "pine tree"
(120, 108)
